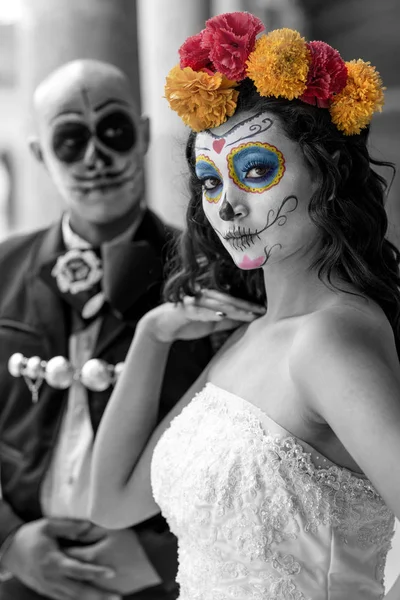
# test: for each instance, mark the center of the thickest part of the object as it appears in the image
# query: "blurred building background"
(142, 37)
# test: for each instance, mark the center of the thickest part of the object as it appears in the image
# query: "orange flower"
(279, 64)
(352, 109)
(203, 101)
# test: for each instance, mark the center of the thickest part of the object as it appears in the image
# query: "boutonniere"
(77, 271)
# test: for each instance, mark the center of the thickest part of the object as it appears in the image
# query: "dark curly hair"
(347, 209)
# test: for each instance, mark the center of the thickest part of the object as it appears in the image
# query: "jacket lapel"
(133, 274)
(47, 307)
(129, 271)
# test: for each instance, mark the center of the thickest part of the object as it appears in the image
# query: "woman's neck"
(294, 290)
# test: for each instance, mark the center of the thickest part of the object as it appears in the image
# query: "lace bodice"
(261, 515)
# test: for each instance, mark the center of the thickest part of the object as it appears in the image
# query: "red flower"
(327, 75)
(193, 55)
(229, 39)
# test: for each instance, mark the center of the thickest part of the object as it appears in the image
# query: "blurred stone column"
(163, 25)
(54, 32)
(219, 7)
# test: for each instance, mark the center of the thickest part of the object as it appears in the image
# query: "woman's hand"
(208, 312)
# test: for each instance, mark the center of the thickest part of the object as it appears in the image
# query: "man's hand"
(35, 558)
(121, 551)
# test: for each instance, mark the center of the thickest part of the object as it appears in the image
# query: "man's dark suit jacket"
(34, 320)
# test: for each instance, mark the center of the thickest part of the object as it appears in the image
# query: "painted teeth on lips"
(102, 183)
(239, 233)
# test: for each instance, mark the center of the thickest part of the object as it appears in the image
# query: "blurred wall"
(11, 138)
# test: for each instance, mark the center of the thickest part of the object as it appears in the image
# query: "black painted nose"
(226, 211)
(99, 156)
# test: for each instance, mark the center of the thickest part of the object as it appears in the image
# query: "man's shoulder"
(161, 227)
(157, 232)
(19, 245)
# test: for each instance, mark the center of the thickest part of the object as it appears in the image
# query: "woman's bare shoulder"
(341, 330)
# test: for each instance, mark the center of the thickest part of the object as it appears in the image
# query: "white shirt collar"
(73, 241)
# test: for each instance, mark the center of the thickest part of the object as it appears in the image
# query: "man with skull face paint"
(71, 293)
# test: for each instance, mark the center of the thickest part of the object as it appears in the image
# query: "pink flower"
(327, 75)
(229, 39)
(193, 55)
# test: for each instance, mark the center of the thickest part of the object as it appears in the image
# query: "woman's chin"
(247, 263)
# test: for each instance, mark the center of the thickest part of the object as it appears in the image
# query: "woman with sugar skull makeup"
(277, 471)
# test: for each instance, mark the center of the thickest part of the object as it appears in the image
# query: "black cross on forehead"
(84, 92)
(253, 129)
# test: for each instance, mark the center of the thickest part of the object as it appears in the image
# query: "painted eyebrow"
(110, 101)
(206, 167)
(255, 129)
(202, 162)
(210, 174)
(96, 108)
(67, 112)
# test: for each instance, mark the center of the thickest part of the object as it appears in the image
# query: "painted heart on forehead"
(218, 145)
(229, 136)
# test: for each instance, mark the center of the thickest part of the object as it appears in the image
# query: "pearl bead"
(96, 375)
(33, 368)
(59, 373)
(16, 364)
(119, 367)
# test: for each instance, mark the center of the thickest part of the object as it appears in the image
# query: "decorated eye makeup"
(70, 140)
(115, 131)
(256, 167)
(210, 177)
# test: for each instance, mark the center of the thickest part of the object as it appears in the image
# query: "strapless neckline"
(259, 513)
(272, 427)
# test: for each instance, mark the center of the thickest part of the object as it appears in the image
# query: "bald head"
(90, 82)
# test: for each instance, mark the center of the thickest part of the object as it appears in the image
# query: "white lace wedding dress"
(262, 515)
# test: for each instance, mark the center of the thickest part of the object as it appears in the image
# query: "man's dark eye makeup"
(116, 131)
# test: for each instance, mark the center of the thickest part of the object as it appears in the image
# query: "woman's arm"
(126, 425)
(346, 366)
(135, 503)
(119, 495)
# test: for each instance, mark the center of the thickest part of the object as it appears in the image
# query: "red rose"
(327, 75)
(229, 39)
(193, 55)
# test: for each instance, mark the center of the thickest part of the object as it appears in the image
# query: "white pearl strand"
(97, 375)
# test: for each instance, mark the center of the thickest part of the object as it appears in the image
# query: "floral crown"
(202, 88)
